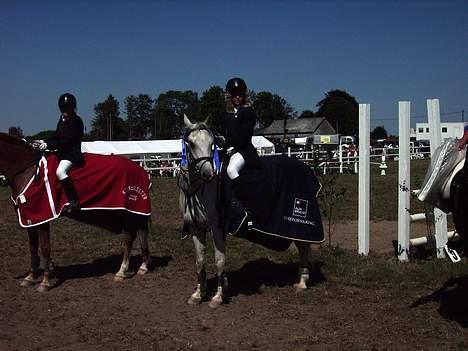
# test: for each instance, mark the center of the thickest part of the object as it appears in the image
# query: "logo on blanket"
(133, 191)
(300, 208)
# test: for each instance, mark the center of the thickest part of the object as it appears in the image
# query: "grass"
(383, 192)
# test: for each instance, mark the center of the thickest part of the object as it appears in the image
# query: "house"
(448, 130)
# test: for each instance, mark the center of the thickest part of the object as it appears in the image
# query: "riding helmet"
(67, 103)
(236, 84)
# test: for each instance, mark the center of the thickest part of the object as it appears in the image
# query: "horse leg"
(127, 243)
(305, 254)
(199, 241)
(220, 260)
(33, 275)
(143, 238)
(49, 269)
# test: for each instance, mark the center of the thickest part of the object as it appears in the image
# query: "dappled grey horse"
(198, 201)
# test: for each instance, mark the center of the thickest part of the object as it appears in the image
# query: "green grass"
(383, 192)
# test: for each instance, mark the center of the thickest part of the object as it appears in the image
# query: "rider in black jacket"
(67, 141)
(239, 122)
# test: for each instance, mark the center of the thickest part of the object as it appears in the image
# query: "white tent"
(164, 148)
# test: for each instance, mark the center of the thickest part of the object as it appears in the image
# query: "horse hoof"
(27, 283)
(119, 278)
(194, 300)
(215, 302)
(300, 286)
(42, 288)
(142, 271)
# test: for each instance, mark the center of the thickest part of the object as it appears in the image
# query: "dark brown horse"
(18, 162)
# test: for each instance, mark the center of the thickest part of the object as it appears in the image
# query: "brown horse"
(18, 162)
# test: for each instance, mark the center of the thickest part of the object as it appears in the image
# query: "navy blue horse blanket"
(281, 196)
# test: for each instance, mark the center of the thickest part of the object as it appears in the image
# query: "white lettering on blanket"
(132, 192)
(298, 220)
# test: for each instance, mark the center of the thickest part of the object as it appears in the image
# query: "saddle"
(280, 198)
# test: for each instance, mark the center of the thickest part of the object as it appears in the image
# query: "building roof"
(299, 127)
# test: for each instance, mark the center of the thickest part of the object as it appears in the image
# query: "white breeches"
(62, 169)
(236, 163)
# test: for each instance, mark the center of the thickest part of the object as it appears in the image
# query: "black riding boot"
(237, 216)
(72, 196)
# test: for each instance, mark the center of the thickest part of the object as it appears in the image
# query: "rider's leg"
(237, 216)
(67, 184)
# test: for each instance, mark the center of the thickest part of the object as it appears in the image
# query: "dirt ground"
(87, 310)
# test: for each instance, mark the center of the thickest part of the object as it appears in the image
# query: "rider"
(67, 141)
(239, 122)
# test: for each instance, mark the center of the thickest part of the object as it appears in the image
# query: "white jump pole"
(433, 113)
(364, 179)
(404, 185)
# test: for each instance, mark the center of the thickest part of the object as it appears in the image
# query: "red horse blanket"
(103, 182)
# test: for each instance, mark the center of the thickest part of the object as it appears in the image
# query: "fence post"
(364, 181)
(404, 184)
(433, 114)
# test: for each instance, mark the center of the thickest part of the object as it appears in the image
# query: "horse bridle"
(191, 185)
(193, 161)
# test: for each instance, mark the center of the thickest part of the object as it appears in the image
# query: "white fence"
(404, 184)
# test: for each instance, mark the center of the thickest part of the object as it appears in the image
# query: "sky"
(380, 52)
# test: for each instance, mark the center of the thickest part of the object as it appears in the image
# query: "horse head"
(200, 148)
(16, 160)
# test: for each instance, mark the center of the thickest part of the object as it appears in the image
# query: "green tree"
(307, 114)
(169, 110)
(16, 131)
(139, 110)
(107, 123)
(42, 135)
(270, 107)
(341, 110)
(379, 132)
(212, 104)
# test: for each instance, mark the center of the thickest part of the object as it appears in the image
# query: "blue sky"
(378, 51)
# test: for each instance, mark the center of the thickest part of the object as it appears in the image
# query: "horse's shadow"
(252, 276)
(102, 266)
(452, 297)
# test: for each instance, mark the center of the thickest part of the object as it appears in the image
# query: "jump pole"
(440, 218)
(404, 184)
(364, 177)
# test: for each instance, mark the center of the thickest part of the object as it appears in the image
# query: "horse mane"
(15, 141)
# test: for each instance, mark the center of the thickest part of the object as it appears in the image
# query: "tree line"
(145, 117)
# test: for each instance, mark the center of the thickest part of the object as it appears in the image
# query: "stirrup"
(245, 223)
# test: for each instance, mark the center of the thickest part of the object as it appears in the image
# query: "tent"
(163, 148)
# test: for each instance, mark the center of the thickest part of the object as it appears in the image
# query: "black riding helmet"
(67, 103)
(236, 85)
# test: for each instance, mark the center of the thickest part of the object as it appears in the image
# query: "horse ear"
(187, 122)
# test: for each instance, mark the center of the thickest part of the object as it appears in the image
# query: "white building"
(448, 129)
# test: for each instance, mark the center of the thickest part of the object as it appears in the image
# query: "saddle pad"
(102, 183)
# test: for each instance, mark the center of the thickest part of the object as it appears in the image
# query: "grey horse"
(198, 199)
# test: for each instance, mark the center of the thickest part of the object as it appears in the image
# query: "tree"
(140, 112)
(16, 131)
(213, 104)
(42, 135)
(341, 110)
(307, 114)
(169, 110)
(107, 124)
(379, 132)
(270, 107)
